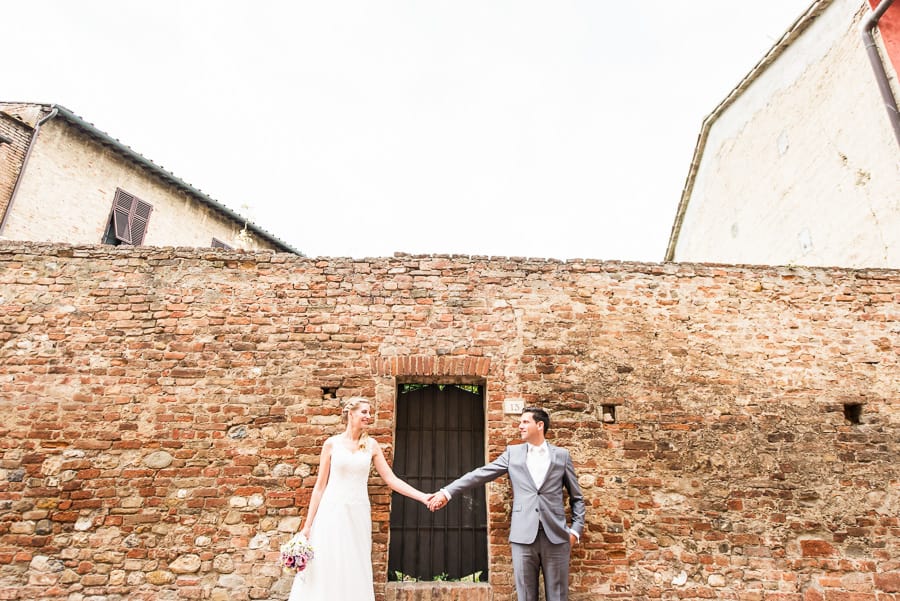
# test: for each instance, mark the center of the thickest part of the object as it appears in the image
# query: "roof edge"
(793, 32)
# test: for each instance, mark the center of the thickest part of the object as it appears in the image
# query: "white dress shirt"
(538, 462)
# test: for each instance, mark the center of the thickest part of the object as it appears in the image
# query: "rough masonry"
(735, 428)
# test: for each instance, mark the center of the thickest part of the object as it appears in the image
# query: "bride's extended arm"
(391, 479)
(319, 488)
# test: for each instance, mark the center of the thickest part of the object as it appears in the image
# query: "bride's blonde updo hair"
(349, 405)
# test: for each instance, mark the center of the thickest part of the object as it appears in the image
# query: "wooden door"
(439, 437)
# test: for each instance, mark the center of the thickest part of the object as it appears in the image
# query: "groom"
(538, 472)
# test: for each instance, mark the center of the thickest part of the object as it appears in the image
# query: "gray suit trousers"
(541, 556)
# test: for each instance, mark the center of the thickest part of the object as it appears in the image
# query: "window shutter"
(140, 216)
(130, 217)
(122, 214)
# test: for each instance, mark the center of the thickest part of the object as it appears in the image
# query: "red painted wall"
(889, 27)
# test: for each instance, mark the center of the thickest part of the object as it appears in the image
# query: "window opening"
(128, 220)
(608, 413)
(853, 412)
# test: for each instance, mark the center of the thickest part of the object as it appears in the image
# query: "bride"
(339, 522)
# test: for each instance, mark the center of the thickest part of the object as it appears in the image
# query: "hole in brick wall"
(608, 414)
(853, 412)
(329, 392)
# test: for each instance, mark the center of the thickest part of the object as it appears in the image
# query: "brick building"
(800, 164)
(736, 430)
(64, 180)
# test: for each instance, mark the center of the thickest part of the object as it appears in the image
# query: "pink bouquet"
(296, 553)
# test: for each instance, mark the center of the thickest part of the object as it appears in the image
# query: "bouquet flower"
(296, 553)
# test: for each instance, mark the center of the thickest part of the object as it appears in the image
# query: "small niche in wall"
(853, 412)
(329, 392)
(608, 414)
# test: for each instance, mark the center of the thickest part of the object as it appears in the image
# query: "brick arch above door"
(431, 365)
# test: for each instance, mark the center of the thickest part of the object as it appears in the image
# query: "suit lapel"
(524, 460)
(554, 458)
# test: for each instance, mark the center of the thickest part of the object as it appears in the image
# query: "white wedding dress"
(341, 534)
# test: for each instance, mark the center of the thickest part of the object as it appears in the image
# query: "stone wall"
(735, 429)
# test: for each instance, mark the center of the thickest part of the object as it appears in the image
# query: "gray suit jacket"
(533, 506)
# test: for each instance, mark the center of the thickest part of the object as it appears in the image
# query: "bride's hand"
(305, 532)
(437, 501)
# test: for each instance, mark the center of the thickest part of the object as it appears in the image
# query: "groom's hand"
(437, 501)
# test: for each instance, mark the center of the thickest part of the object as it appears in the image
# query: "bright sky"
(556, 129)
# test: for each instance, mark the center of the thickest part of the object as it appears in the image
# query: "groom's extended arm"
(576, 498)
(481, 475)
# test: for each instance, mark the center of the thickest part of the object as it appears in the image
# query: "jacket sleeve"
(576, 498)
(481, 475)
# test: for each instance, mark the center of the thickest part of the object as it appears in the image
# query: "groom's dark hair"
(539, 415)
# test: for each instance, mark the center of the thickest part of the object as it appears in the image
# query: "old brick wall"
(162, 411)
(12, 155)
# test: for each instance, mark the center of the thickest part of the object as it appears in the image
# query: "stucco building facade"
(64, 180)
(801, 163)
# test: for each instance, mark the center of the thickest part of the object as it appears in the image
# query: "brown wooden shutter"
(130, 217)
(122, 215)
(140, 217)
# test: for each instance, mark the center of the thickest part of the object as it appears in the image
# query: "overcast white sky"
(557, 129)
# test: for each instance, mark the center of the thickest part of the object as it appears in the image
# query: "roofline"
(792, 33)
(142, 161)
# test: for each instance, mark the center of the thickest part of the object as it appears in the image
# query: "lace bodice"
(348, 478)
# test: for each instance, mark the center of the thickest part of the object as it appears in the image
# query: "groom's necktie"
(538, 461)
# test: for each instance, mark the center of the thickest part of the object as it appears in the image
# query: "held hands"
(435, 501)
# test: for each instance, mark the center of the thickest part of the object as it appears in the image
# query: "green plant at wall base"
(473, 388)
(442, 577)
